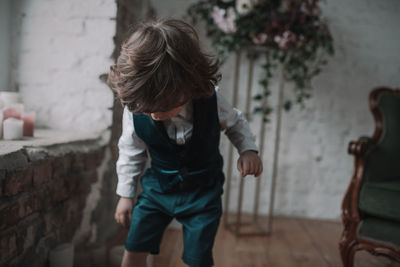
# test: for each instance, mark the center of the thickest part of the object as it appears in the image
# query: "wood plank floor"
(294, 242)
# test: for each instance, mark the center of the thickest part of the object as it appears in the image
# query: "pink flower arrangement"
(292, 32)
(259, 39)
(224, 19)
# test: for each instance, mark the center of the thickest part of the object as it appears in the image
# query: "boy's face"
(160, 116)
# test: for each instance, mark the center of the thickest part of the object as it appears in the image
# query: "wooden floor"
(294, 242)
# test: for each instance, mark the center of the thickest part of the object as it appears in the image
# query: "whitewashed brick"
(64, 47)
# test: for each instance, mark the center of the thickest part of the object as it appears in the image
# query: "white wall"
(4, 44)
(314, 167)
(59, 50)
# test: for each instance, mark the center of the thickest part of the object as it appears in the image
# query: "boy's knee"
(136, 254)
(134, 258)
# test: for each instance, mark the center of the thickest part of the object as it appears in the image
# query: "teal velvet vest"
(196, 163)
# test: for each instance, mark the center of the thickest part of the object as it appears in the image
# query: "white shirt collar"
(186, 112)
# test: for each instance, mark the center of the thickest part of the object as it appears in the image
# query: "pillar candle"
(116, 254)
(13, 129)
(29, 122)
(13, 111)
(62, 256)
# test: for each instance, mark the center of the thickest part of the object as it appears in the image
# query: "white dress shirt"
(132, 150)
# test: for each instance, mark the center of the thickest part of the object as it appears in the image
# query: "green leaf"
(288, 105)
(257, 97)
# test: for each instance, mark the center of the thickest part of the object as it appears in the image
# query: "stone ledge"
(48, 142)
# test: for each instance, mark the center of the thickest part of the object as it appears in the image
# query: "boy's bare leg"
(134, 259)
(150, 260)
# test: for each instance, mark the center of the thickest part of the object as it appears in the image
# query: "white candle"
(13, 111)
(13, 129)
(62, 256)
(29, 122)
(116, 254)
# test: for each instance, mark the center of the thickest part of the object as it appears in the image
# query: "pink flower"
(225, 19)
(259, 39)
(288, 39)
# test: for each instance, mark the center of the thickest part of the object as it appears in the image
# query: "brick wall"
(42, 203)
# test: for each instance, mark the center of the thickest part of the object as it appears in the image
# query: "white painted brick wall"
(314, 167)
(60, 49)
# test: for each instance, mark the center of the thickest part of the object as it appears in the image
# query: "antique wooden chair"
(371, 206)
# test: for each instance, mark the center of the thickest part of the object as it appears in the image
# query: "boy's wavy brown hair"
(161, 66)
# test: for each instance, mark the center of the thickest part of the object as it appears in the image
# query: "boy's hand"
(249, 163)
(123, 211)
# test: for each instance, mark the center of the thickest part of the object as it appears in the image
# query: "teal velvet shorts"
(198, 210)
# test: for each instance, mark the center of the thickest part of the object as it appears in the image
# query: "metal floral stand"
(237, 226)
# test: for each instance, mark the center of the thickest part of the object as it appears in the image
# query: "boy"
(173, 111)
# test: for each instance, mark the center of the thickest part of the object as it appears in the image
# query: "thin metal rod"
(249, 84)
(261, 154)
(276, 146)
(230, 152)
(262, 232)
(247, 110)
(258, 181)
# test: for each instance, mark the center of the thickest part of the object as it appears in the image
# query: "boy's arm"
(238, 131)
(132, 158)
(235, 125)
